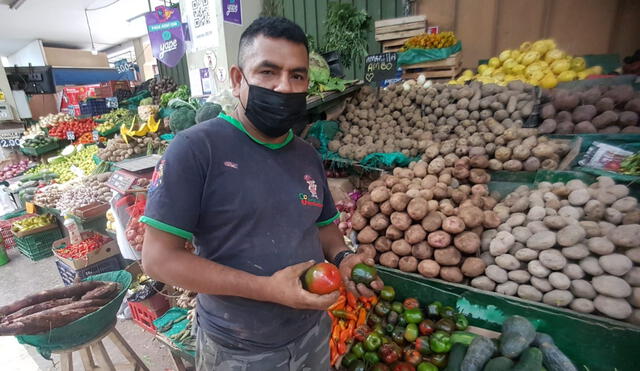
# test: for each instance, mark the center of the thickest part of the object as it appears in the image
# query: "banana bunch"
(431, 41)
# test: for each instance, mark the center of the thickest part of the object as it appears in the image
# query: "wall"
(61, 57)
(580, 27)
(31, 53)
(6, 89)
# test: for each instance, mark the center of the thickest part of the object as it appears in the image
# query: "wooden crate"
(400, 28)
(393, 45)
(443, 69)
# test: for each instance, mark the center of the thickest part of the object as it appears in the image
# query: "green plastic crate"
(37, 151)
(38, 246)
(98, 224)
(592, 342)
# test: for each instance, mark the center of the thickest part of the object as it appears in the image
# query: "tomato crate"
(68, 274)
(149, 310)
(38, 245)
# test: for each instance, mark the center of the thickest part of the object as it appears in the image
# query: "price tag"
(77, 171)
(71, 135)
(112, 102)
(96, 136)
(380, 67)
(5, 143)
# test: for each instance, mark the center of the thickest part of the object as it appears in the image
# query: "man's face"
(275, 64)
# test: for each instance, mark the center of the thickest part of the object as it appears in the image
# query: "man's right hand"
(285, 287)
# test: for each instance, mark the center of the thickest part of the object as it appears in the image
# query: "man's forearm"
(332, 241)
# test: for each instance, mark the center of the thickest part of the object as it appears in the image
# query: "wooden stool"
(96, 345)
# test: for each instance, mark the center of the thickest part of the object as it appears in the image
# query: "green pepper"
(402, 321)
(427, 366)
(397, 307)
(371, 357)
(382, 308)
(447, 312)
(363, 273)
(358, 365)
(388, 293)
(386, 340)
(426, 327)
(422, 345)
(411, 332)
(373, 342)
(341, 314)
(439, 360)
(413, 315)
(392, 317)
(358, 350)
(440, 342)
(373, 319)
(463, 337)
(433, 309)
(461, 322)
(348, 359)
(388, 329)
(398, 335)
(446, 325)
(378, 329)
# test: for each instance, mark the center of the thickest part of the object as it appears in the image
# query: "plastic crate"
(94, 107)
(98, 224)
(68, 274)
(38, 246)
(37, 151)
(149, 310)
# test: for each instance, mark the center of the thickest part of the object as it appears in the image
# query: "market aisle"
(21, 277)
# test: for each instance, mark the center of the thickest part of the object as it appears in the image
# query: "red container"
(5, 229)
(148, 310)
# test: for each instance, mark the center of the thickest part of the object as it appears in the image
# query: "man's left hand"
(360, 289)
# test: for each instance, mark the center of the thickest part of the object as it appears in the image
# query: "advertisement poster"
(205, 80)
(232, 11)
(202, 23)
(166, 35)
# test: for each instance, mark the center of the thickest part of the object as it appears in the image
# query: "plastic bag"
(604, 156)
(413, 56)
(135, 230)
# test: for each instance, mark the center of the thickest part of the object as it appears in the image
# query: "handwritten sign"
(379, 67)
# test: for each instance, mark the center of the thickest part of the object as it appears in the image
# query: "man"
(255, 200)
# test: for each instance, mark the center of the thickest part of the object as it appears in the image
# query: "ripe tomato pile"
(78, 127)
(80, 250)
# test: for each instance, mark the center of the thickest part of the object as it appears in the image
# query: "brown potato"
(375, 184)
(473, 267)
(393, 233)
(479, 176)
(399, 187)
(358, 222)
(438, 239)
(399, 201)
(401, 247)
(472, 216)
(367, 250)
(417, 208)
(408, 264)
(402, 221)
(451, 274)
(390, 181)
(379, 222)
(368, 209)
(467, 242)
(432, 221)
(491, 219)
(428, 268)
(367, 235)
(415, 234)
(382, 244)
(453, 224)
(422, 250)
(389, 259)
(380, 194)
(447, 256)
(386, 208)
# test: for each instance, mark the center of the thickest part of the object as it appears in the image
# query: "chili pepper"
(389, 353)
(412, 356)
(387, 293)
(433, 309)
(351, 299)
(426, 327)
(358, 349)
(345, 335)
(362, 317)
(361, 332)
(342, 348)
(348, 359)
(410, 303)
(333, 351)
(461, 322)
(371, 357)
(413, 315)
(373, 342)
(339, 304)
(426, 366)
(411, 332)
(397, 307)
(446, 325)
(422, 345)
(335, 333)
(440, 342)
(382, 308)
(447, 312)
(344, 314)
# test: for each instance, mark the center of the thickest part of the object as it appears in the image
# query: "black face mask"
(275, 113)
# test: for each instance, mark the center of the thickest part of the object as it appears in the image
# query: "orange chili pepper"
(351, 299)
(374, 300)
(345, 335)
(362, 317)
(339, 304)
(335, 333)
(333, 351)
(342, 348)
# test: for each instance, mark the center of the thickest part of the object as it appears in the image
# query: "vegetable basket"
(86, 328)
(37, 151)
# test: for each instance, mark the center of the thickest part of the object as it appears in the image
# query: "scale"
(130, 171)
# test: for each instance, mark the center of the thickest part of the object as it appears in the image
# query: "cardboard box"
(107, 250)
(340, 188)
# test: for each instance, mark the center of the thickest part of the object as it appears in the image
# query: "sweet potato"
(628, 118)
(620, 93)
(604, 119)
(585, 127)
(584, 113)
(74, 290)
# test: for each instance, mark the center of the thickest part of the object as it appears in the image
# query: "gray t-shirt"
(248, 205)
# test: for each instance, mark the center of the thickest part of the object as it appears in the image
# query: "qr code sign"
(200, 13)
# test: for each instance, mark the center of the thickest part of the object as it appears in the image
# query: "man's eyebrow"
(269, 64)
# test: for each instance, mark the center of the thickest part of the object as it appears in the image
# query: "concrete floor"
(21, 277)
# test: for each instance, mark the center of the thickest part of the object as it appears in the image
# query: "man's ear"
(235, 74)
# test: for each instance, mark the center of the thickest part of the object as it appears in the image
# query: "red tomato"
(410, 303)
(322, 278)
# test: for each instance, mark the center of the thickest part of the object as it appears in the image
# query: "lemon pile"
(540, 63)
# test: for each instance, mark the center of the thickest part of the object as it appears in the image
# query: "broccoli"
(181, 119)
(208, 111)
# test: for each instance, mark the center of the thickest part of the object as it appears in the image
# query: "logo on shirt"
(310, 200)
(230, 164)
(313, 188)
(156, 178)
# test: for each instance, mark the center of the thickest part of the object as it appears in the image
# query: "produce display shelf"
(68, 274)
(38, 151)
(591, 342)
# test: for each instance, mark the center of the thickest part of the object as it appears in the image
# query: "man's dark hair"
(274, 27)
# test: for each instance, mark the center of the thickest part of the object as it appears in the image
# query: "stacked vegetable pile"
(32, 223)
(539, 63)
(600, 109)
(115, 118)
(79, 157)
(73, 195)
(81, 249)
(447, 120)
(518, 348)
(428, 41)
(631, 165)
(160, 86)
(320, 79)
(38, 141)
(12, 171)
(117, 149)
(55, 308)
(52, 119)
(76, 126)
(428, 218)
(568, 245)
(403, 336)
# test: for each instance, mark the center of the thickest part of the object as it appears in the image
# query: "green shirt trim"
(328, 221)
(166, 227)
(240, 127)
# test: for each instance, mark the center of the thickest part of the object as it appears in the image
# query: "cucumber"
(517, 334)
(456, 356)
(479, 352)
(530, 360)
(542, 338)
(555, 360)
(464, 337)
(498, 364)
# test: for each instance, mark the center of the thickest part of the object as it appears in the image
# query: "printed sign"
(232, 11)
(166, 35)
(379, 67)
(202, 24)
(205, 80)
(123, 66)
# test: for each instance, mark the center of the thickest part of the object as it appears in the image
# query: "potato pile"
(567, 245)
(600, 109)
(442, 119)
(429, 217)
(118, 150)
